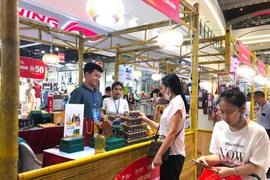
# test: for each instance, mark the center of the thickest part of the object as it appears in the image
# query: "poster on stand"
(126, 73)
(139, 169)
(73, 120)
(226, 81)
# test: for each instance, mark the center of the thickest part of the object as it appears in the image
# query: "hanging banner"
(170, 8)
(234, 64)
(140, 169)
(32, 68)
(261, 67)
(61, 57)
(226, 81)
(244, 53)
(126, 73)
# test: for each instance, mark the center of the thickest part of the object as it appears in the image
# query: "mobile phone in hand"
(202, 165)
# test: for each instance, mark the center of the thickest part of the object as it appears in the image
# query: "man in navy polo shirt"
(87, 93)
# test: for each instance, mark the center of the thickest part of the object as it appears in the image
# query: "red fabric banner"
(170, 8)
(261, 67)
(139, 169)
(244, 53)
(32, 68)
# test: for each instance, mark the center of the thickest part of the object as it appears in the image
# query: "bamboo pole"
(195, 77)
(252, 89)
(265, 89)
(117, 62)
(228, 49)
(9, 90)
(81, 49)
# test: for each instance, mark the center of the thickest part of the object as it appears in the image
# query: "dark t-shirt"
(83, 95)
(103, 97)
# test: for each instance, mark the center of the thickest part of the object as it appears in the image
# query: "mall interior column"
(228, 38)
(265, 89)
(81, 49)
(117, 63)
(195, 74)
(252, 89)
(9, 100)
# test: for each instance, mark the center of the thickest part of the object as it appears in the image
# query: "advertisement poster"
(244, 53)
(140, 169)
(126, 73)
(234, 64)
(261, 67)
(73, 120)
(170, 8)
(32, 68)
(226, 81)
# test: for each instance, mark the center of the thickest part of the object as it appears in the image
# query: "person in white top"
(240, 147)
(114, 107)
(171, 129)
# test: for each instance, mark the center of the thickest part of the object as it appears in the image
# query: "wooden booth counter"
(107, 165)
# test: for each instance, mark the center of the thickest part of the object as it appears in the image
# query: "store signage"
(61, 57)
(50, 103)
(170, 8)
(140, 169)
(261, 67)
(100, 64)
(32, 68)
(69, 27)
(244, 53)
(226, 81)
(261, 13)
(126, 73)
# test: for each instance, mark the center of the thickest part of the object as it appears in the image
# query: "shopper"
(131, 102)
(108, 93)
(115, 106)
(171, 123)
(264, 114)
(238, 146)
(88, 94)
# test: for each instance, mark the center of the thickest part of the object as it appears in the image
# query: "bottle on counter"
(100, 142)
(159, 115)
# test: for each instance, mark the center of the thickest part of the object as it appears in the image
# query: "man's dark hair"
(90, 67)
(234, 96)
(107, 89)
(259, 94)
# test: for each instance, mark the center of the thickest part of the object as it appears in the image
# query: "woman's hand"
(143, 117)
(157, 160)
(202, 160)
(224, 171)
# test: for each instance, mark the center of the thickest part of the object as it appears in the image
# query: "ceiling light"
(254, 37)
(261, 44)
(50, 59)
(256, 41)
(241, 9)
(137, 73)
(105, 12)
(170, 38)
(156, 76)
(57, 49)
(257, 2)
(43, 52)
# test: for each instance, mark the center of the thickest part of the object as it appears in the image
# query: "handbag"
(155, 145)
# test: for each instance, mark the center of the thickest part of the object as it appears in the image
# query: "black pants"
(171, 169)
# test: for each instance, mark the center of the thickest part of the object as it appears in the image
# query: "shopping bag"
(88, 130)
(210, 175)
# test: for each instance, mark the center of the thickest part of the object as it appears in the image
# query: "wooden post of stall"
(195, 77)
(10, 81)
(252, 89)
(228, 38)
(168, 68)
(265, 89)
(80, 54)
(117, 63)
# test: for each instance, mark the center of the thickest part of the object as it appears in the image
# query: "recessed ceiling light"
(235, 6)
(257, 2)
(261, 44)
(43, 52)
(241, 9)
(250, 3)
(57, 49)
(243, 5)
(229, 8)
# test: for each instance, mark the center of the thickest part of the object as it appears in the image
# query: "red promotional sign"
(100, 64)
(261, 67)
(32, 68)
(61, 57)
(169, 8)
(244, 53)
(50, 104)
(140, 169)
